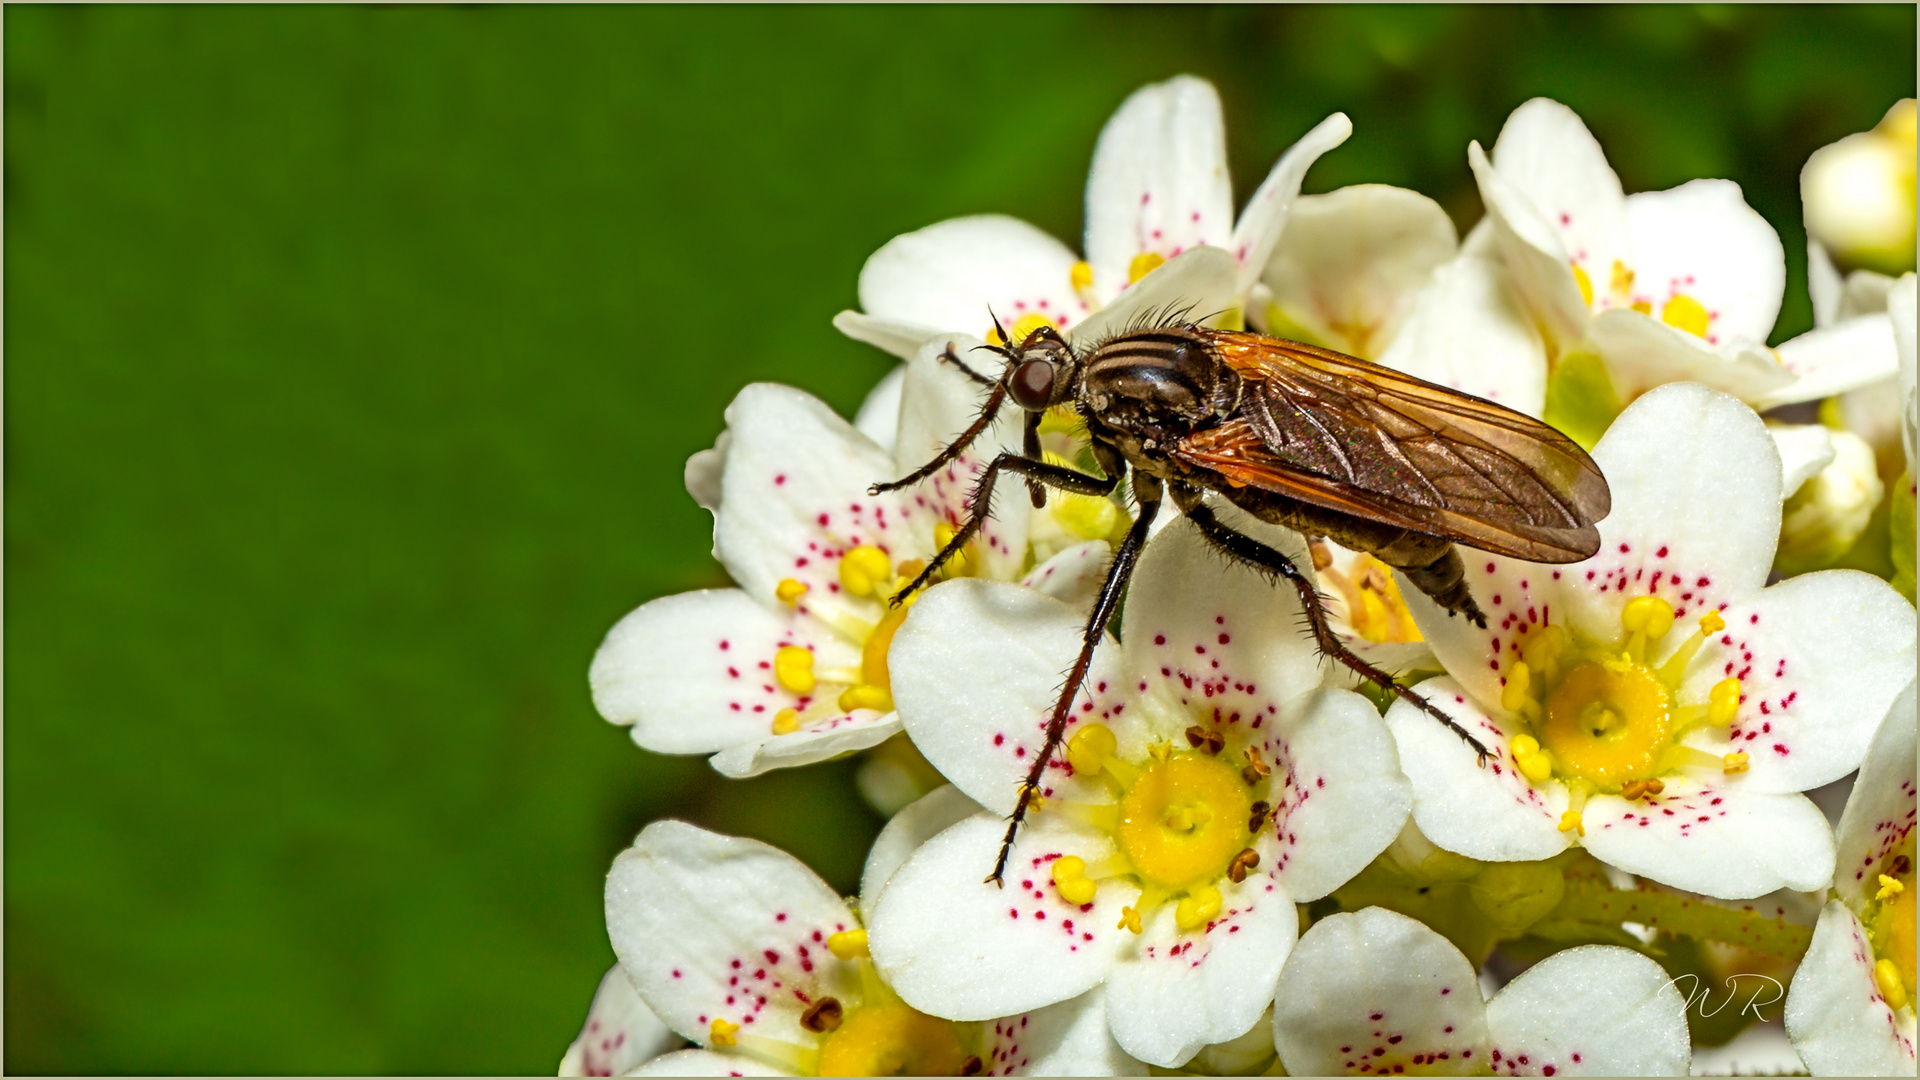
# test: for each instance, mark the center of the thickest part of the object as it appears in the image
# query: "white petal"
(1719, 839)
(1862, 292)
(705, 1063)
(1696, 510)
(1172, 992)
(1845, 356)
(794, 495)
(1880, 812)
(1378, 988)
(976, 670)
(1265, 216)
(703, 473)
(1701, 239)
(823, 738)
(1517, 597)
(955, 946)
(902, 339)
(1468, 330)
(1068, 1039)
(1642, 352)
(713, 926)
(936, 406)
(1596, 1010)
(1805, 449)
(1074, 574)
(1159, 180)
(1344, 798)
(620, 1032)
(1198, 283)
(1550, 158)
(1820, 658)
(691, 672)
(949, 275)
(1900, 308)
(1535, 256)
(917, 823)
(1839, 1023)
(1490, 813)
(879, 415)
(1351, 263)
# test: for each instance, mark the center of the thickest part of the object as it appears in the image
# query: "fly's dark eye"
(1033, 385)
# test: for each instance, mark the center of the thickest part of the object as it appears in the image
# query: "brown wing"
(1339, 432)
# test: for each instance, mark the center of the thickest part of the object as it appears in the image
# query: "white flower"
(1158, 188)
(620, 1031)
(1205, 786)
(1850, 1009)
(1365, 611)
(1656, 703)
(1824, 517)
(1858, 195)
(1664, 286)
(1376, 993)
(791, 667)
(740, 948)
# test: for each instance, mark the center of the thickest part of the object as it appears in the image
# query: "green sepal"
(1581, 401)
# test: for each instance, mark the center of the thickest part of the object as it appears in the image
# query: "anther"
(789, 591)
(1129, 920)
(973, 1065)
(1322, 558)
(1585, 283)
(1646, 618)
(1143, 264)
(1734, 763)
(1723, 701)
(1070, 877)
(864, 569)
(1258, 816)
(822, 1016)
(1243, 862)
(1090, 747)
(1080, 276)
(1535, 764)
(1198, 737)
(1197, 908)
(1160, 751)
(1901, 864)
(723, 1033)
(1514, 695)
(1570, 822)
(1887, 977)
(793, 669)
(786, 721)
(865, 696)
(1638, 789)
(1889, 886)
(848, 944)
(1256, 770)
(1686, 313)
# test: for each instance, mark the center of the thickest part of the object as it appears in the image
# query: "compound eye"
(1032, 385)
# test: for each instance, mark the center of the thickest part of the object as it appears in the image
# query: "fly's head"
(1041, 370)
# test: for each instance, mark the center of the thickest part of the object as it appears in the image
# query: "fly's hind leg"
(1244, 549)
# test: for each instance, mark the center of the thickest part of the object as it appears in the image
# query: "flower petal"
(1839, 1023)
(1719, 839)
(1490, 813)
(1536, 259)
(1068, 1039)
(1820, 658)
(704, 470)
(1550, 158)
(1074, 574)
(1159, 180)
(1265, 216)
(1516, 597)
(950, 274)
(902, 339)
(1344, 799)
(955, 946)
(711, 926)
(691, 673)
(1468, 330)
(1880, 812)
(1596, 1010)
(1805, 449)
(1861, 292)
(1377, 989)
(1900, 308)
(698, 1062)
(976, 671)
(920, 821)
(1641, 353)
(1172, 991)
(1702, 240)
(620, 1031)
(822, 738)
(1197, 284)
(1698, 535)
(879, 415)
(1844, 356)
(1352, 262)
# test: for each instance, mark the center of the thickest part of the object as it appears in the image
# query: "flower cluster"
(1242, 858)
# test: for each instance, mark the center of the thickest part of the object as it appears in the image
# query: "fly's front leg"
(980, 505)
(1245, 549)
(947, 355)
(1147, 490)
(1031, 447)
(988, 412)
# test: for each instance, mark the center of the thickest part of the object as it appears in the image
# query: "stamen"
(864, 569)
(1710, 624)
(1129, 920)
(1636, 789)
(1090, 747)
(793, 669)
(1243, 862)
(1722, 702)
(865, 696)
(1687, 314)
(1514, 694)
(1735, 763)
(1646, 618)
(1070, 877)
(1622, 283)
(1259, 816)
(1887, 977)
(1198, 737)
(786, 721)
(1577, 793)
(822, 1016)
(1102, 816)
(1535, 764)
(1542, 651)
(1581, 279)
(1322, 558)
(1080, 276)
(1160, 751)
(1570, 822)
(1143, 264)
(789, 591)
(848, 944)
(723, 1033)
(973, 1065)
(1889, 886)
(1256, 770)
(1197, 908)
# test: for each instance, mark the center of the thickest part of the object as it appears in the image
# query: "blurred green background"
(352, 357)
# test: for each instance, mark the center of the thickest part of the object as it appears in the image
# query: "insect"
(1303, 437)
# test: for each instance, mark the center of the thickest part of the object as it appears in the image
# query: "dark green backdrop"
(352, 355)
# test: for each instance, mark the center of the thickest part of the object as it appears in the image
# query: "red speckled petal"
(1597, 1010)
(1880, 812)
(1839, 1023)
(1719, 839)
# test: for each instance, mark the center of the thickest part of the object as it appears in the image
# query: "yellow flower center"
(1607, 722)
(892, 1040)
(1024, 325)
(1184, 820)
